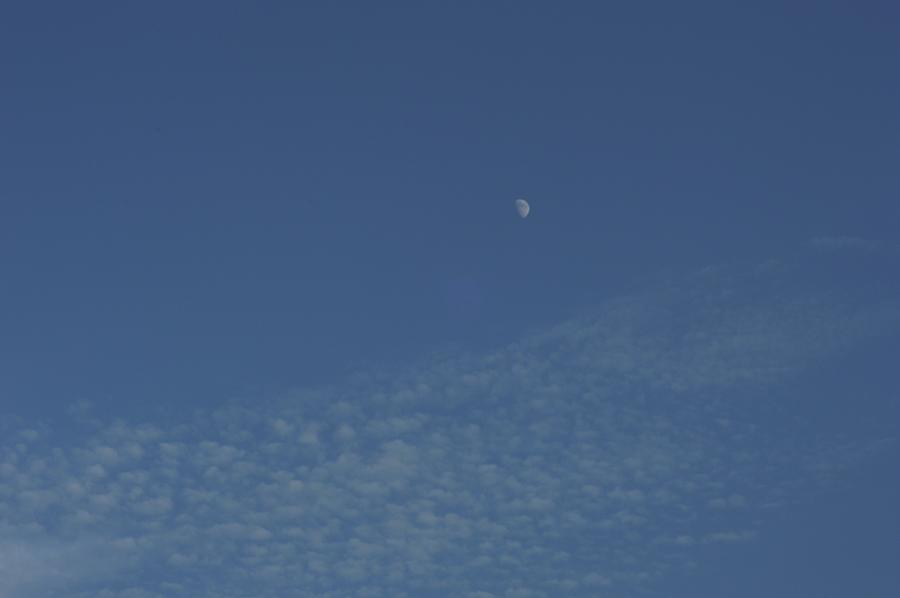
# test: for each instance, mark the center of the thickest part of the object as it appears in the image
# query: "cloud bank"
(592, 459)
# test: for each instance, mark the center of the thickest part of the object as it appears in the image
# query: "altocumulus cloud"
(590, 459)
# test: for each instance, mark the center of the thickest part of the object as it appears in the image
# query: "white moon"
(522, 207)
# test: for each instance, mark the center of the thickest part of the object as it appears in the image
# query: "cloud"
(847, 243)
(597, 455)
(730, 537)
(32, 565)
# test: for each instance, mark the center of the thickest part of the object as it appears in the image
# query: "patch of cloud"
(32, 564)
(729, 537)
(593, 457)
(847, 243)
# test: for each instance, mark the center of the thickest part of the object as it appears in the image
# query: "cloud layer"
(590, 459)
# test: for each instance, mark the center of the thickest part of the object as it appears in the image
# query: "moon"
(522, 207)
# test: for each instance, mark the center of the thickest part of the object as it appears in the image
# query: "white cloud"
(598, 454)
(729, 537)
(33, 566)
(847, 243)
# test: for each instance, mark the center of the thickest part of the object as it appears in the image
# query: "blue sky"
(271, 325)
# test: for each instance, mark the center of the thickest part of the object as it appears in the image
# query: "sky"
(270, 324)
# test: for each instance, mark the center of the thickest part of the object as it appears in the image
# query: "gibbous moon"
(522, 207)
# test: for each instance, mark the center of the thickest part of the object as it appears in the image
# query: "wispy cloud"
(32, 564)
(849, 243)
(598, 454)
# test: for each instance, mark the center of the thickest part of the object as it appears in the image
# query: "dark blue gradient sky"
(203, 202)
